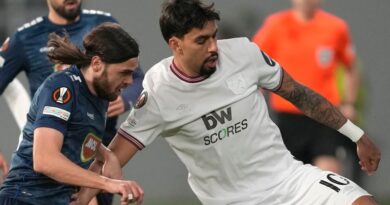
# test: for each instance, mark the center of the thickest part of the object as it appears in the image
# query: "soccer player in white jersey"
(205, 101)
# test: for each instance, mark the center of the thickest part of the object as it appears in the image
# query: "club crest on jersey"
(89, 147)
(325, 56)
(141, 101)
(62, 95)
(236, 84)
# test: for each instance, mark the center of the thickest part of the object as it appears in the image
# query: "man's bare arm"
(311, 103)
(318, 108)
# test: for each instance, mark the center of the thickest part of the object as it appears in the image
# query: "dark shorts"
(4, 200)
(104, 198)
(307, 139)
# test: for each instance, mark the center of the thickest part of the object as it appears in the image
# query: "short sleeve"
(144, 123)
(268, 71)
(346, 50)
(54, 101)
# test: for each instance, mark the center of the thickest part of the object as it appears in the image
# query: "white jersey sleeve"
(18, 101)
(144, 122)
(269, 72)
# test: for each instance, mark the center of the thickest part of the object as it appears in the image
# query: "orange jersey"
(308, 51)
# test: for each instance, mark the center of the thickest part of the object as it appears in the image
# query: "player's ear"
(175, 44)
(96, 64)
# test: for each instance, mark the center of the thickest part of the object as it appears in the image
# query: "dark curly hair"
(178, 17)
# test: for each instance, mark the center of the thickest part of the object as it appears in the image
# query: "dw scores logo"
(212, 120)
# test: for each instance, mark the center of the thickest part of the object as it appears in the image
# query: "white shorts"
(309, 185)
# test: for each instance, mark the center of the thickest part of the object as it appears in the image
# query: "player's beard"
(205, 70)
(69, 15)
(101, 86)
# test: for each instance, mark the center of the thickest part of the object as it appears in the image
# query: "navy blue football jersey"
(27, 47)
(27, 51)
(63, 102)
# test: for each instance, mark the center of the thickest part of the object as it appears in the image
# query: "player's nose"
(213, 46)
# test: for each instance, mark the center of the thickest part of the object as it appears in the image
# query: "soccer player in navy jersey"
(65, 123)
(26, 51)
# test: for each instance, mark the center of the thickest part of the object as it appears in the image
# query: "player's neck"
(59, 20)
(304, 15)
(86, 72)
(185, 69)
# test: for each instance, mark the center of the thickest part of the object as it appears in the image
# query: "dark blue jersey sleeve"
(13, 58)
(131, 93)
(55, 100)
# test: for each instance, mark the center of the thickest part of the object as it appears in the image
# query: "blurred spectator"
(310, 43)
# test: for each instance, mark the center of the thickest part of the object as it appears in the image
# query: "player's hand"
(116, 107)
(369, 155)
(3, 166)
(130, 191)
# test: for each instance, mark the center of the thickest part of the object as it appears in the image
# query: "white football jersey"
(218, 126)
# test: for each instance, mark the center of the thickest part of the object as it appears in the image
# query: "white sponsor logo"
(56, 112)
(91, 116)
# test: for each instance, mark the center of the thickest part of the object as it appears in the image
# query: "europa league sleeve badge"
(62, 95)
(141, 101)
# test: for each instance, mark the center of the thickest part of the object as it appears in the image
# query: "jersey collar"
(184, 77)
